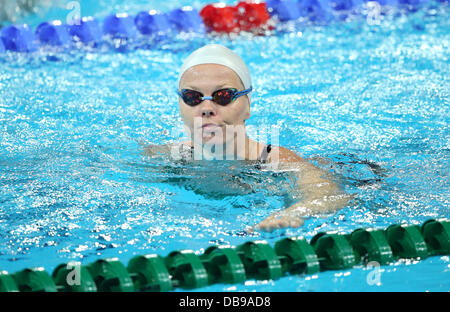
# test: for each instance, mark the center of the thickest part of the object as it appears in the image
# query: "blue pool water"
(368, 103)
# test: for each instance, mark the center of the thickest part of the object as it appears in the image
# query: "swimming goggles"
(222, 97)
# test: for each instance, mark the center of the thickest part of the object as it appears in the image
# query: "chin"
(210, 139)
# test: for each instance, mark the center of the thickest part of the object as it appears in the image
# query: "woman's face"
(208, 119)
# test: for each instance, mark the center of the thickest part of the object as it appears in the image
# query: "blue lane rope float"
(52, 33)
(18, 38)
(2, 47)
(234, 265)
(86, 31)
(285, 10)
(90, 31)
(187, 19)
(153, 23)
(119, 26)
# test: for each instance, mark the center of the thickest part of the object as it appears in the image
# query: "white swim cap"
(218, 54)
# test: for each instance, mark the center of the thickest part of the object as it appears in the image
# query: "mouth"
(211, 129)
(210, 126)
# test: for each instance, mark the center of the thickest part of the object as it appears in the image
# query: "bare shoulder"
(154, 150)
(282, 154)
(288, 159)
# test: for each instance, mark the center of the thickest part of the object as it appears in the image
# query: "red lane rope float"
(252, 14)
(221, 18)
(245, 16)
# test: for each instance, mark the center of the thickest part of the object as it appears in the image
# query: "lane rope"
(255, 260)
(122, 31)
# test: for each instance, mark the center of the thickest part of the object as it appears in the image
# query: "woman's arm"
(319, 194)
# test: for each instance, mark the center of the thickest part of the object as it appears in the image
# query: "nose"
(207, 109)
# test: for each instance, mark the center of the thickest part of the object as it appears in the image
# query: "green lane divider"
(297, 256)
(437, 237)
(406, 241)
(260, 260)
(223, 265)
(233, 265)
(186, 269)
(334, 251)
(73, 277)
(110, 275)
(149, 273)
(7, 283)
(371, 245)
(34, 280)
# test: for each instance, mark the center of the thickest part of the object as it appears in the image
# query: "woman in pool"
(214, 88)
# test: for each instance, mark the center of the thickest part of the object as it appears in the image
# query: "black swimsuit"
(265, 153)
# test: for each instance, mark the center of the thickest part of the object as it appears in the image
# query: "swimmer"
(214, 88)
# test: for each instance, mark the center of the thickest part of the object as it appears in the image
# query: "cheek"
(238, 112)
(187, 115)
(184, 112)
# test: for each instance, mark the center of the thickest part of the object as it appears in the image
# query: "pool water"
(368, 103)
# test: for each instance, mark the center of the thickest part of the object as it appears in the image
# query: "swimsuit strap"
(265, 153)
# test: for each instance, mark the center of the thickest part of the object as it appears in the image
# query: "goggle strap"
(243, 92)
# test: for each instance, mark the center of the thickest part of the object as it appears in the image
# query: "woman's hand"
(290, 217)
(320, 194)
(295, 214)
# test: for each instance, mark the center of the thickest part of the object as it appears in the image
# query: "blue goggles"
(222, 97)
